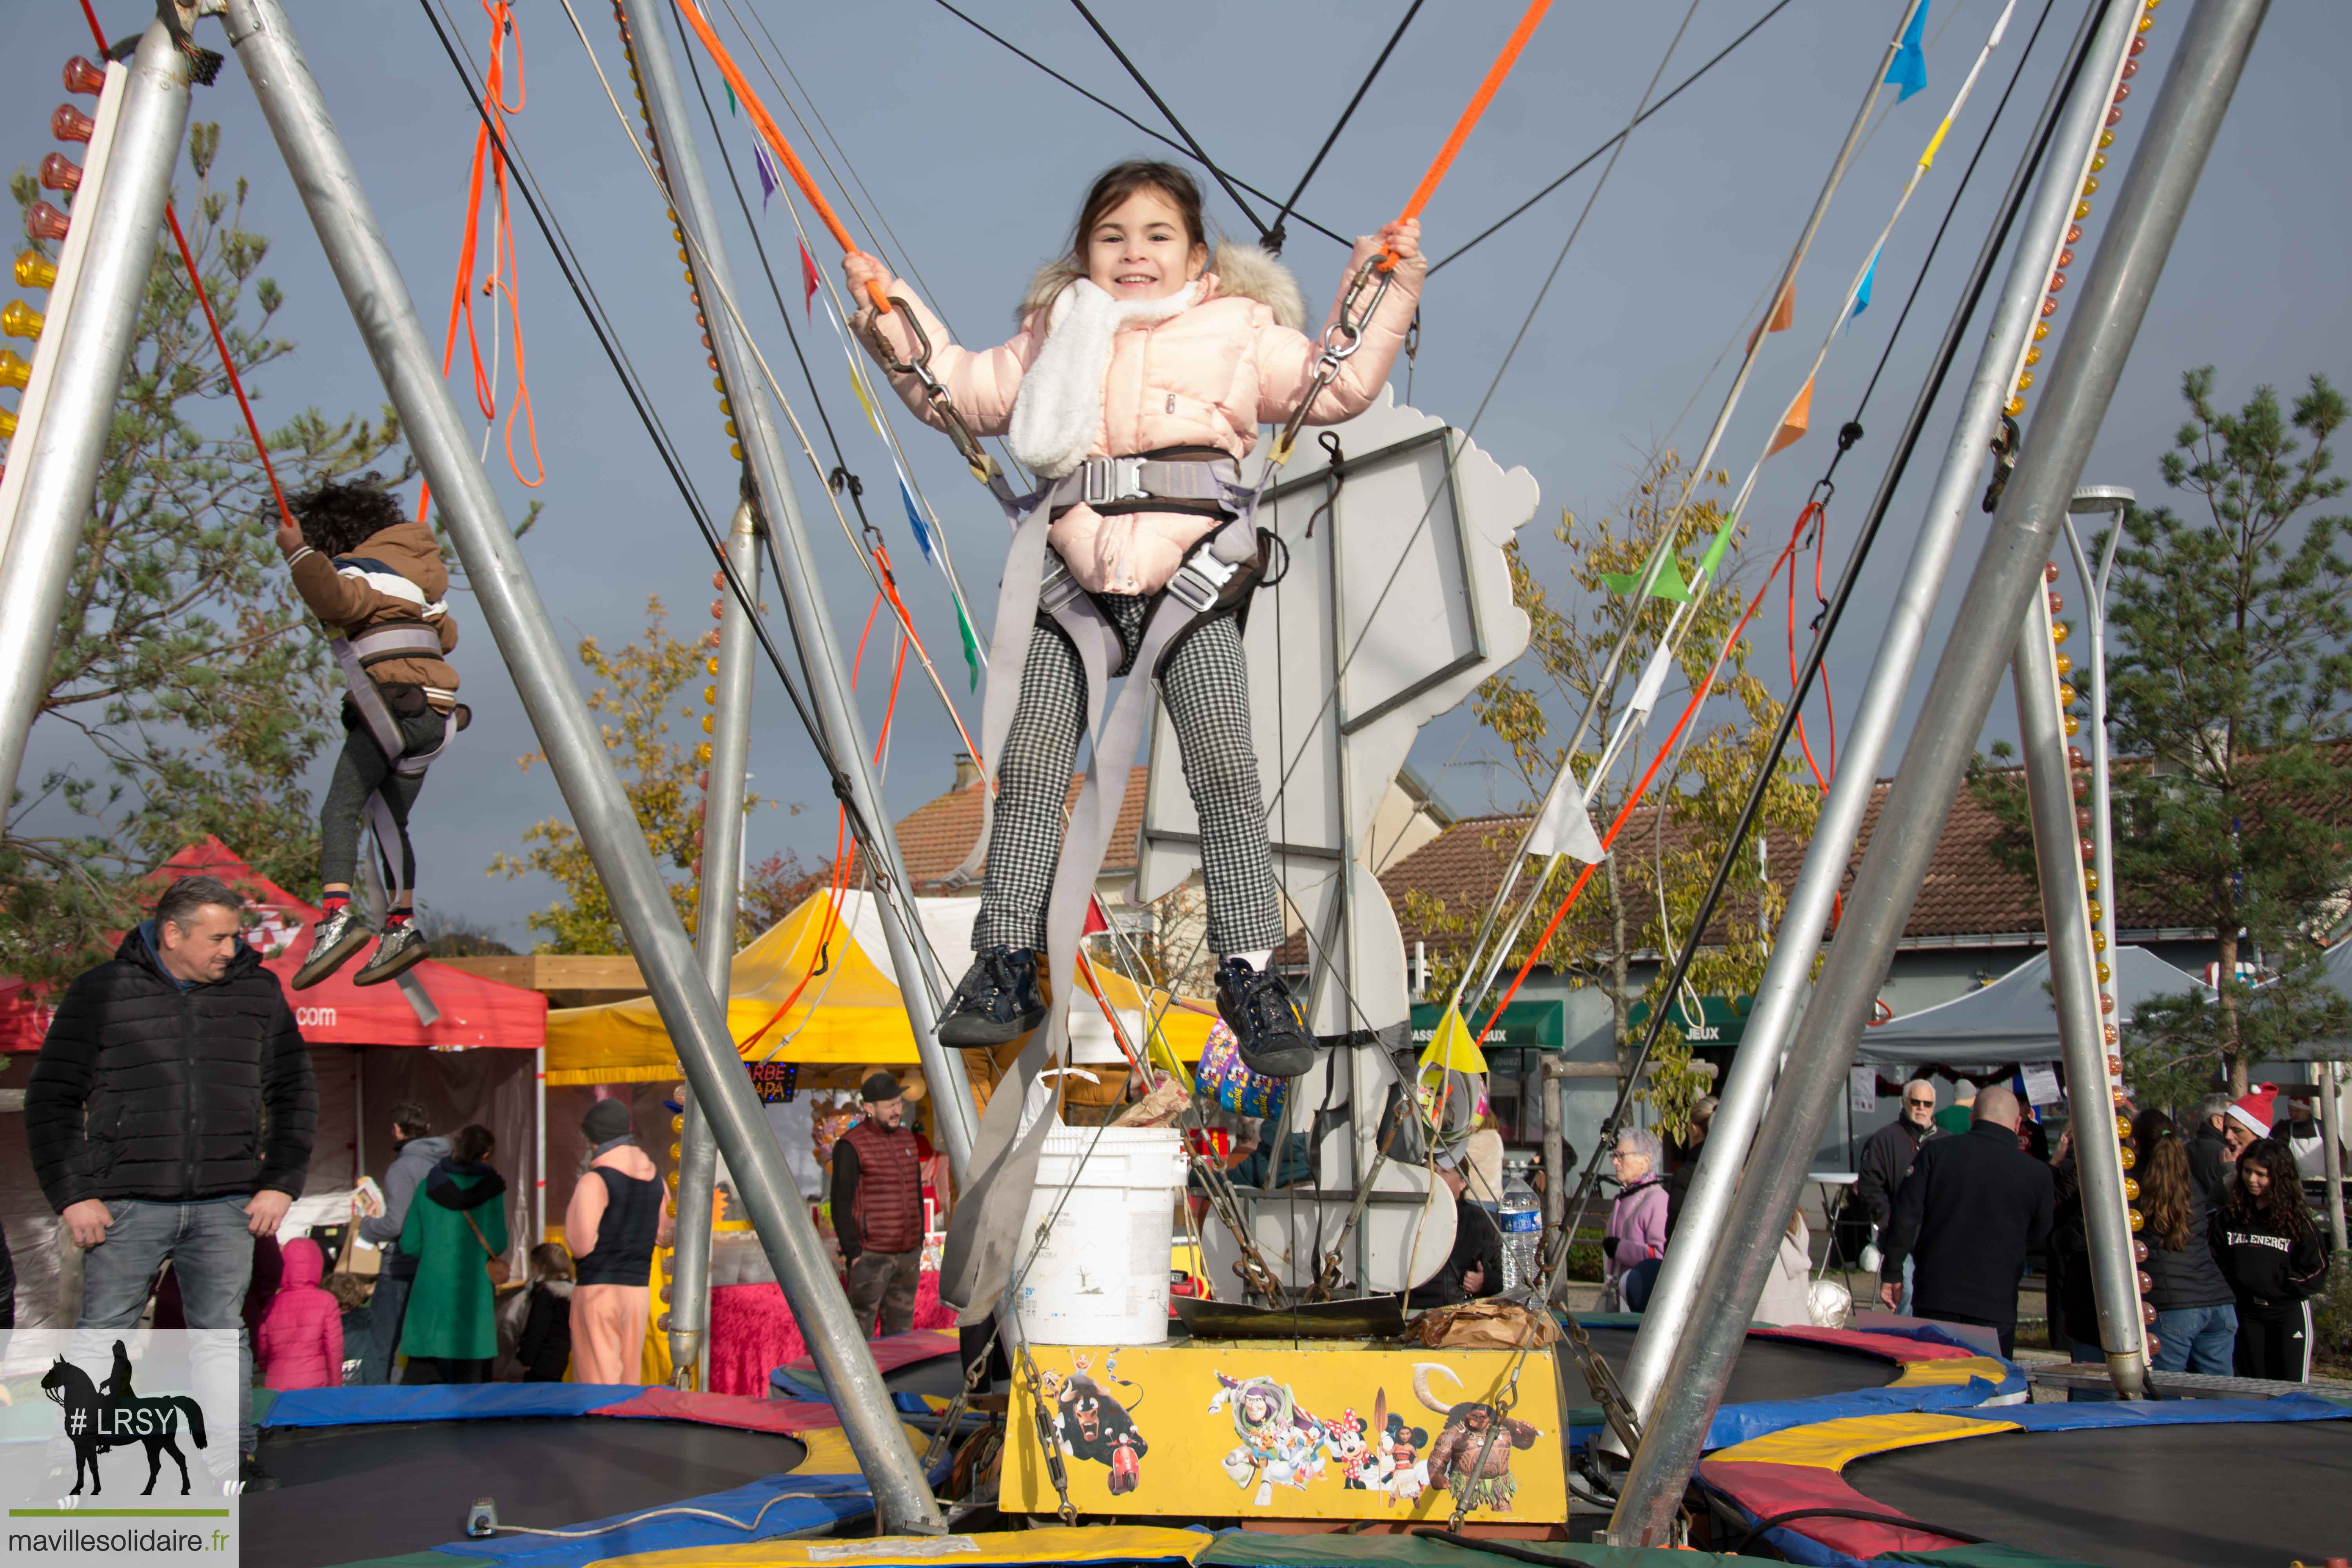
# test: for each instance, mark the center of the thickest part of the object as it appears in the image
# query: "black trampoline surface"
(2210, 1496)
(382, 1491)
(939, 1377)
(1769, 1369)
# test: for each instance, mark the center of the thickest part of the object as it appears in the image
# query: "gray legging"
(361, 770)
(1205, 684)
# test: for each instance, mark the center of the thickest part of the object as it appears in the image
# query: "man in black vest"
(877, 1208)
(1972, 1207)
(170, 1115)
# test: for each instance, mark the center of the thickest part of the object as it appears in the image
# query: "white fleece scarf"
(1060, 405)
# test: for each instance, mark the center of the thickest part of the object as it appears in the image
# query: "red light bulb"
(70, 124)
(82, 75)
(59, 172)
(43, 221)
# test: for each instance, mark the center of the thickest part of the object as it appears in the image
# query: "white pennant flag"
(1564, 827)
(1654, 681)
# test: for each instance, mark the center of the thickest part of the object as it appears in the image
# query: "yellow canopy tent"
(851, 1014)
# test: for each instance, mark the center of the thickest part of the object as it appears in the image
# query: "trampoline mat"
(401, 1487)
(939, 1377)
(1768, 1369)
(2266, 1493)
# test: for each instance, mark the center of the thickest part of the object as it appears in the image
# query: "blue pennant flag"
(1862, 295)
(915, 519)
(1909, 71)
(767, 174)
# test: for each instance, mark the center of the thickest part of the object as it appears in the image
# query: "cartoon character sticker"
(1456, 1454)
(1091, 1425)
(1277, 1444)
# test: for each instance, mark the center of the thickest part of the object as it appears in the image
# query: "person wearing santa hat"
(2250, 1118)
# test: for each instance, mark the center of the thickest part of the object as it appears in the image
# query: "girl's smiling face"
(1140, 250)
(2257, 1180)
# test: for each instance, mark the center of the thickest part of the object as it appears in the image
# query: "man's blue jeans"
(386, 1307)
(2197, 1339)
(211, 1252)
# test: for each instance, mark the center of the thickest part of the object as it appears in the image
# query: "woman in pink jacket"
(1133, 345)
(1636, 1236)
(300, 1342)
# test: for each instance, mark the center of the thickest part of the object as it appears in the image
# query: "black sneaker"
(1257, 1005)
(996, 1002)
(252, 1477)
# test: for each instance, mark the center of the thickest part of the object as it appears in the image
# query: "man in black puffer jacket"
(170, 1115)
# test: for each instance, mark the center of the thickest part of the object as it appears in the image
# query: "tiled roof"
(1968, 892)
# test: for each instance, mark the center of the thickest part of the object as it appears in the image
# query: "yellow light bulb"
(2094, 906)
(2016, 407)
(2065, 695)
(706, 725)
(2106, 137)
(8, 425)
(718, 384)
(2098, 942)
(21, 321)
(736, 453)
(2090, 881)
(2106, 974)
(2144, 24)
(2040, 330)
(2058, 632)
(702, 753)
(710, 695)
(2127, 1157)
(2066, 664)
(35, 270)
(2033, 356)
(710, 665)
(2081, 209)
(13, 369)
(2123, 1128)
(2137, 1221)
(2091, 186)
(2072, 724)
(2131, 1188)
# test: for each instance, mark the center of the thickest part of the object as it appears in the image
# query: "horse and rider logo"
(101, 1417)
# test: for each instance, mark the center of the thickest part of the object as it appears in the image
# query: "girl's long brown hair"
(2280, 1209)
(2165, 1190)
(1120, 181)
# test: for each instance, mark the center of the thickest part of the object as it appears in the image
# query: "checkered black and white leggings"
(1206, 689)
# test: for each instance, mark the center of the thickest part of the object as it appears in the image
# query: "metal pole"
(380, 304)
(2115, 501)
(1787, 974)
(2331, 1130)
(762, 444)
(2048, 788)
(539, 1145)
(2113, 298)
(714, 942)
(61, 459)
(1555, 1154)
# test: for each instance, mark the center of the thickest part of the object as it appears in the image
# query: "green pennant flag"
(1714, 557)
(970, 643)
(730, 96)
(1669, 586)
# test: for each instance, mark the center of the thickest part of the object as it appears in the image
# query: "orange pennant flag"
(1794, 423)
(1783, 316)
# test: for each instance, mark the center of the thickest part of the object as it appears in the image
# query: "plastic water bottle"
(1522, 1221)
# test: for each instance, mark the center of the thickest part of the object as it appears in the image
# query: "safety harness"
(356, 657)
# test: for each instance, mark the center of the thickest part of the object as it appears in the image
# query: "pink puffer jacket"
(1207, 377)
(300, 1344)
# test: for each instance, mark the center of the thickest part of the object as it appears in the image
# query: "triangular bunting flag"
(1909, 71)
(1453, 1046)
(1862, 295)
(915, 519)
(809, 283)
(1565, 826)
(1714, 556)
(767, 173)
(1783, 316)
(858, 385)
(1669, 586)
(1654, 681)
(971, 659)
(1794, 423)
(730, 96)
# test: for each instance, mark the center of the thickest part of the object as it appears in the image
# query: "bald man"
(1968, 1213)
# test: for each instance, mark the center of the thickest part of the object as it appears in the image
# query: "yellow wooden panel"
(1833, 1444)
(1282, 1430)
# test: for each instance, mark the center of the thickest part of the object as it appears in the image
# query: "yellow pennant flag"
(1794, 423)
(858, 385)
(1783, 316)
(1454, 1047)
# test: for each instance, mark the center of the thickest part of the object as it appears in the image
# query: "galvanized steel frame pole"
(1788, 975)
(688, 1314)
(764, 453)
(2075, 985)
(62, 457)
(2114, 299)
(518, 620)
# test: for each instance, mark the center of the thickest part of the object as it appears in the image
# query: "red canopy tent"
(483, 1057)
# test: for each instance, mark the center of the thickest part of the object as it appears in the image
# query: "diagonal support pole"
(387, 316)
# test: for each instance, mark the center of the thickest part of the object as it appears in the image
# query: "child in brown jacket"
(375, 578)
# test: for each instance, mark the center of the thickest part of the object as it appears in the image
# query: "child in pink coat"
(300, 1342)
(1133, 345)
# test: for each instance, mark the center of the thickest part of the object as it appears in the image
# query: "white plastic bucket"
(1101, 1278)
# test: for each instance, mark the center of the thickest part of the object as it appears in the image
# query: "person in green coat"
(456, 1224)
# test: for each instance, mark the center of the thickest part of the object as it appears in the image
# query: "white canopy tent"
(2012, 1019)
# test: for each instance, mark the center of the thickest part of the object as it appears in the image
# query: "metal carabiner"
(983, 466)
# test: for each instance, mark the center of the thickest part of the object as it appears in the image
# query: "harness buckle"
(1113, 480)
(1059, 589)
(1201, 581)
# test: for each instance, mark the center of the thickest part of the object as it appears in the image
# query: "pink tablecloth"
(752, 1332)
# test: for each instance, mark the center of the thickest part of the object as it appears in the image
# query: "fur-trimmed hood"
(1236, 271)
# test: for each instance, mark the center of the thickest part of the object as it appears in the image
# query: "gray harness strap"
(984, 1232)
(354, 656)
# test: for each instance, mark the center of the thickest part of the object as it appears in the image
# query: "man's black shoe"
(1257, 1005)
(996, 1002)
(252, 1477)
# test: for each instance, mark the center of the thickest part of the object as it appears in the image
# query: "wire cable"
(1162, 104)
(1275, 235)
(1581, 164)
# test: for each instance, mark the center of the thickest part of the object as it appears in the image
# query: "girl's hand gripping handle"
(867, 277)
(1399, 241)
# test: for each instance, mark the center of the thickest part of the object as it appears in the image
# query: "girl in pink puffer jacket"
(1133, 345)
(300, 1342)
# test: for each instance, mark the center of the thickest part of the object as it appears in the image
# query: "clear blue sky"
(977, 160)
